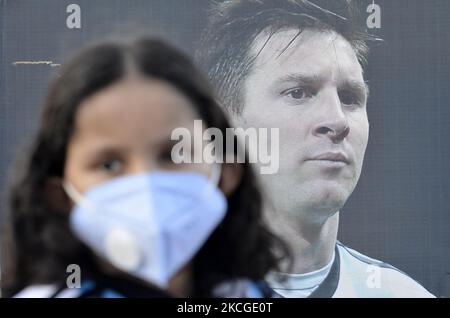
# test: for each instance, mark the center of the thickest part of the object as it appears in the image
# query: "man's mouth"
(331, 158)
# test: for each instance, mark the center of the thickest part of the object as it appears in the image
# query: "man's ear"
(55, 197)
(231, 177)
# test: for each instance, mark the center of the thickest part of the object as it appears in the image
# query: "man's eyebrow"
(316, 80)
(300, 78)
(356, 86)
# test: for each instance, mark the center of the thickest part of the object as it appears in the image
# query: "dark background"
(399, 211)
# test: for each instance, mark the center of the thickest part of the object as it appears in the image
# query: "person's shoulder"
(48, 291)
(36, 291)
(390, 278)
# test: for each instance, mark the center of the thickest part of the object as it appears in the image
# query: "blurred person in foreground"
(99, 189)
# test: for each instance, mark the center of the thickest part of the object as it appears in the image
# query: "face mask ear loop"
(216, 174)
(214, 180)
(75, 195)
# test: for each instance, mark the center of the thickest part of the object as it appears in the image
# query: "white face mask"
(149, 225)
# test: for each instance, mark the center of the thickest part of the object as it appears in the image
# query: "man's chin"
(327, 201)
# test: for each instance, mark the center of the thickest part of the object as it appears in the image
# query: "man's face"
(315, 94)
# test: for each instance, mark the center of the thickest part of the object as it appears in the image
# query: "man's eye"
(110, 166)
(349, 98)
(299, 93)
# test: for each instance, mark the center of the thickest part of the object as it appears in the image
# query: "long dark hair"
(38, 242)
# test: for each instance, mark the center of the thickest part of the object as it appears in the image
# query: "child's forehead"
(143, 106)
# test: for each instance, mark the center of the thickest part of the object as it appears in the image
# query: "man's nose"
(332, 122)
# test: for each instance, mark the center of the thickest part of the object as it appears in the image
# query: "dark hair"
(224, 48)
(39, 243)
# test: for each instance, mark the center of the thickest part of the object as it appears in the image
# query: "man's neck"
(312, 245)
